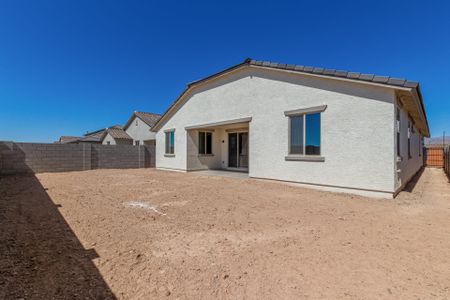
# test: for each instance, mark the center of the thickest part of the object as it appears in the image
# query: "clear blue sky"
(71, 66)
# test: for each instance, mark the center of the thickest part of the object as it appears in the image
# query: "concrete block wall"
(18, 158)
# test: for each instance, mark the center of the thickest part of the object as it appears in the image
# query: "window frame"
(137, 143)
(304, 112)
(409, 137)
(167, 146)
(398, 133)
(205, 145)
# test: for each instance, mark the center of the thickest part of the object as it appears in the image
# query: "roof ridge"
(337, 73)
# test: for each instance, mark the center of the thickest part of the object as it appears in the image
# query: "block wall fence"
(16, 158)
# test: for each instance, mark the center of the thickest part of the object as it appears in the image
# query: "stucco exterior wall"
(407, 167)
(356, 128)
(140, 131)
(109, 138)
(112, 141)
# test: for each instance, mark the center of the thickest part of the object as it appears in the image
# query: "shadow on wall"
(41, 257)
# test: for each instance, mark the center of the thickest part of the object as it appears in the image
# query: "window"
(305, 134)
(108, 143)
(136, 122)
(398, 132)
(205, 143)
(137, 143)
(409, 139)
(170, 142)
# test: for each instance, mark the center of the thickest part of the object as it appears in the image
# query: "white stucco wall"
(357, 127)
(408, 167)
(109, 138)
(140, 131)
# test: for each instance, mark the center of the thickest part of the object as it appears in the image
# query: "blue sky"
(71, 66)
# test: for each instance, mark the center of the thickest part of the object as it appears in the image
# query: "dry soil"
(148, 234)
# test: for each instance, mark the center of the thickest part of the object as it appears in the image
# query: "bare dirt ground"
(147, 234)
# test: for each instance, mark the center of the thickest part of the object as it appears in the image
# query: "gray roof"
(99, 132)
(336, 73)
(68, 139)
(79, 139)
(377, 79)
(117, 133)
(149, 118)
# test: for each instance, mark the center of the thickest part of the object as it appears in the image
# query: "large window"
(205, 142)
(305, 134)
(170, 142)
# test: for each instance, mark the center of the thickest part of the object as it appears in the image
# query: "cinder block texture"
(16, 158)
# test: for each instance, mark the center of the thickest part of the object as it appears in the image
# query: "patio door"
(238, 150)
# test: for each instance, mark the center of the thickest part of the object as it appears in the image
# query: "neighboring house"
(139, 127)
(93, 137)
(96, 135)
(68, 139)
(336, 130)
(115, 136)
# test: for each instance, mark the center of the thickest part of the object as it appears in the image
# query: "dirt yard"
(147, 234)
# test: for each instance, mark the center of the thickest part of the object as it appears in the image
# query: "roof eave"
(383, 81)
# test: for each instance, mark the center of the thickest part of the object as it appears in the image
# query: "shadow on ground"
(40, 256)
(412, 183)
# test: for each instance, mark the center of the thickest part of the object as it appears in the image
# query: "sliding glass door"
(238, 150)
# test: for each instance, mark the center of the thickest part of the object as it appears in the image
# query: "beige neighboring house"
(322, 128)
(139, 127)
(115, 136)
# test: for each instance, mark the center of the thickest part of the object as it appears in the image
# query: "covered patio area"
(219, 146)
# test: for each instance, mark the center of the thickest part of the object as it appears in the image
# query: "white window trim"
(398, 118)
(303, 112)
(409, 136)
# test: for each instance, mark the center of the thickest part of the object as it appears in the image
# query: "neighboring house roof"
(316, 71)
(116, 133)
(99, 132)
(91, 139)
(68, 139)
(148, 118)
(79, 139)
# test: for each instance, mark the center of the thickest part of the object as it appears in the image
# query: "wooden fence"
(447, 160)
(434, 156)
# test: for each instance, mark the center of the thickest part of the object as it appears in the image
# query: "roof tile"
(341, 73)
(381, 79)
(353, 75)
(396, 81)
(318, 70)
(367, 77)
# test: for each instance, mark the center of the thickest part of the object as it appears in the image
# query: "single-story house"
(324, 128)
(115, 136)
(93, 137)
(139, 127)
